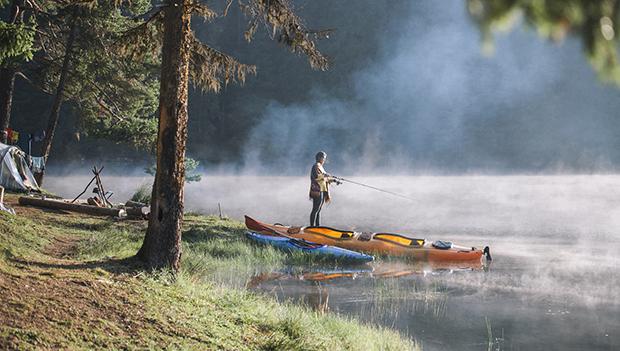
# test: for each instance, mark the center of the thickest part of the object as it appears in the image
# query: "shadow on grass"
(86, 224)
(54, 211)
(117, 266)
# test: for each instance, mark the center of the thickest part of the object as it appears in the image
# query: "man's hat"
(320, 155)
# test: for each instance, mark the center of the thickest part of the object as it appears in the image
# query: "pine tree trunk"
(162, 244)
(7, 84)
(7, 76)
(55, 113)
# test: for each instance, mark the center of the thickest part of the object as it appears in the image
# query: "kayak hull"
(293, 245)
(372, 244)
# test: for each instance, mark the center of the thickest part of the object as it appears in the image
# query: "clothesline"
(13, 136)
(36, 163)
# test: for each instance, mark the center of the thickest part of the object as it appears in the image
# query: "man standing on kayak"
(319, 187)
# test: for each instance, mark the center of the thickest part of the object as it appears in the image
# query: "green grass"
(214, 250)
(204, 307)
(234, 319)
(30, 239)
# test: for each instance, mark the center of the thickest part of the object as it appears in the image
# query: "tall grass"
(234, 319)
(142, 194)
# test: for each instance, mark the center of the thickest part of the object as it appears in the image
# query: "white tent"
(14, 172)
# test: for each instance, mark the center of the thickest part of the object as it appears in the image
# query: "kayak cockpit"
(331, 232)
(399, 239)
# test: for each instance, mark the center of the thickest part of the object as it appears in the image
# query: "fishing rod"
(372, 187)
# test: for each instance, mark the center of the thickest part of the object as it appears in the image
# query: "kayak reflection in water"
(319, 187)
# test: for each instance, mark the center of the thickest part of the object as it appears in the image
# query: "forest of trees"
(229, 122)
(236, 111)
(126, 39)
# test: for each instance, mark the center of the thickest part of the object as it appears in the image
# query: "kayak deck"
(375, 243)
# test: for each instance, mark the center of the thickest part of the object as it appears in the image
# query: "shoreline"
(69, 282)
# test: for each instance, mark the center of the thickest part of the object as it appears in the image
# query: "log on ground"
(62, 205)
(138, 212)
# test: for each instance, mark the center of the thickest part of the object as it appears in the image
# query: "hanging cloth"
(9, 135)
(38, 164)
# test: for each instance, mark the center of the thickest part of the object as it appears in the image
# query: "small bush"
(142, 194)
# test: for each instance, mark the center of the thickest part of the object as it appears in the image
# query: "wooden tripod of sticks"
(100, 190)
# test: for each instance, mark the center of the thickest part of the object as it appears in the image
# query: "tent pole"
(82, 193)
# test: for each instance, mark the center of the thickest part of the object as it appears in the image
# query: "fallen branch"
(62, 205)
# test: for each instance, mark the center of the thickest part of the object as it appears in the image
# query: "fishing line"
(374, 188)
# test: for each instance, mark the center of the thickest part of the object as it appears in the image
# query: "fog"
(554, 242)
(431, 101)
(585, 203)
(410, 91)
(569, 220)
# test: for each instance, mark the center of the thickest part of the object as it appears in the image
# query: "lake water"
(553, 284)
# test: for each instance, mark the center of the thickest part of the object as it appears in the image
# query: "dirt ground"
(45, 296)
(42, 297)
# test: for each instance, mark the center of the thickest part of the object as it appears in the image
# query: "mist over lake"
(554, 240)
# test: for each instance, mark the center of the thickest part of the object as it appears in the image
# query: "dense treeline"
(226, 120)
(102, 57)
(74, 54)
(220, 123)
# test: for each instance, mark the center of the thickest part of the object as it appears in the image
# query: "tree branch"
(209, 68)
(282, 20)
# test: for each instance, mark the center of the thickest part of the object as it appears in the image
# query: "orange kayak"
(374, 243)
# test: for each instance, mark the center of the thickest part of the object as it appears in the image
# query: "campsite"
(309, 175)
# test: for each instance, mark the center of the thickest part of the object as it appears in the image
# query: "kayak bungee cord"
(372, 187)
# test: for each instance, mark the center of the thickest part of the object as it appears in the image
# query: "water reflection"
(318, 298)
(312, 285)
(451, 307)
(379, 269)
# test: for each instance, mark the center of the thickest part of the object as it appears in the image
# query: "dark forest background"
(409, 90)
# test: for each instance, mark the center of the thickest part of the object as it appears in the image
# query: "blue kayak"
(291, 244)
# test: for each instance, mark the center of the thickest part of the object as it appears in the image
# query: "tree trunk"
(7, 84)
(7, 76)
(55, 113)
(162, 244)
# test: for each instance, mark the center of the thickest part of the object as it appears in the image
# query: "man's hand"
(335, 180)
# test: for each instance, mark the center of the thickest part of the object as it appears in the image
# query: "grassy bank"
(68, 282)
